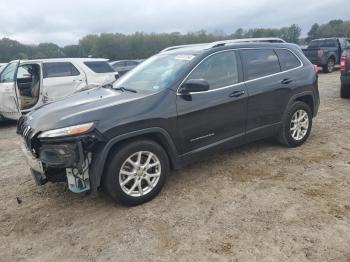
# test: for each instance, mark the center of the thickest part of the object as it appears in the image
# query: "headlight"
(67, 131)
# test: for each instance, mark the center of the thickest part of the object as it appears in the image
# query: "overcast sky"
(65, 21)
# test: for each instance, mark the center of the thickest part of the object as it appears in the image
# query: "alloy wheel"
(140, 173)
(299, 125)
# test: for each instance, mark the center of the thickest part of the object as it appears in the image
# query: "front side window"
(59, 69)
(8, 74)
(219, 70)
(287, 59)
(131, 63)
(99, 67)
(260, 62)
(156, 73)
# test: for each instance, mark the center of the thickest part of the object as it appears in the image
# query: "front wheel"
(137, 172)
(296, 125)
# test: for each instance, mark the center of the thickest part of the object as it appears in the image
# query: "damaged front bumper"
(60, 163)
(64, 159)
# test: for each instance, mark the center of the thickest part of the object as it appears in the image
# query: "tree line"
(116, 46)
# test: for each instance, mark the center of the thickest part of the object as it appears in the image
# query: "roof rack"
(227, 42)
(181, 46)
(248, 40)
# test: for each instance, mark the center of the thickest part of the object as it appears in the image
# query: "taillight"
(315, 68)
(320, 53)
(343, 62)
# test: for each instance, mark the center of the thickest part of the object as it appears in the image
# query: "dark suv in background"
(175, 108)
(326, 52)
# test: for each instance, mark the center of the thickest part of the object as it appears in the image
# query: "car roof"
(329, 38)
(78, 60)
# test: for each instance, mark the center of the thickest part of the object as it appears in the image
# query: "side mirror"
(116, 76)
(194, 85)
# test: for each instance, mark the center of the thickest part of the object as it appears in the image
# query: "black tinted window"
(219, 70)
(99, 66)
(59, 69)
(287, 59)
(132, 63)
(323, 43)
(260, 62)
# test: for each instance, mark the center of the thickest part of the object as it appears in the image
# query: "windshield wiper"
(109, 85)
(123, 89)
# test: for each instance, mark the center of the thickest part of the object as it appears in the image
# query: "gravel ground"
(260, 202)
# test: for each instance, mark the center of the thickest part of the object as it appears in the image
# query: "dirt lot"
(260, 202)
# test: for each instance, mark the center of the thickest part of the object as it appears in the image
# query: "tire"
(289, 129)
(329, 67)
(345, 91)
(119, 170)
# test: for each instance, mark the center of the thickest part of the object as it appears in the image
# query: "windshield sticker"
(184, 57)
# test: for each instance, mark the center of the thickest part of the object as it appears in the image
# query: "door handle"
(286, 81)
(78, 80)
(237, 93)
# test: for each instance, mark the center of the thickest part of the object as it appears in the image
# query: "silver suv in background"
(26, 85)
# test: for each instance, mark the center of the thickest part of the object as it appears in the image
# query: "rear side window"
(219, 70)
(287, 59)
(260, 62)
(323, 43)
(8, 74)
(59, 69)
(99, 66)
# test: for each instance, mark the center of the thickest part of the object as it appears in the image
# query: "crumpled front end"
(64, 159)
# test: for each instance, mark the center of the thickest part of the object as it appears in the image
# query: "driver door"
(218, 115)
(9, 102)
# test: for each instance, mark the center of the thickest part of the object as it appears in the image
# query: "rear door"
(267, 88)
(61, 79)
(99, 72)
(217, 115)
(9, 104)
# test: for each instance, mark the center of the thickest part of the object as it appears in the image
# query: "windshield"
(156, 73)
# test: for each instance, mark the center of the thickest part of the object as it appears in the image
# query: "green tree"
(73, 51)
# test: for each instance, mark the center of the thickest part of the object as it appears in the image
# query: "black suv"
(175, 108)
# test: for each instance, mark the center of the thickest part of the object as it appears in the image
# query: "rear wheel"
(296, 126)
(345, 91)
(137, 172)
(329, 67)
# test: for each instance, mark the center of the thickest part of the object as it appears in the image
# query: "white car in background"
(28, 84)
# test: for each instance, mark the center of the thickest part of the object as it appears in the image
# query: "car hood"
(87, 106)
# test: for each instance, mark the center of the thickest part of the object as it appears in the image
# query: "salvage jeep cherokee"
(174, 108)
